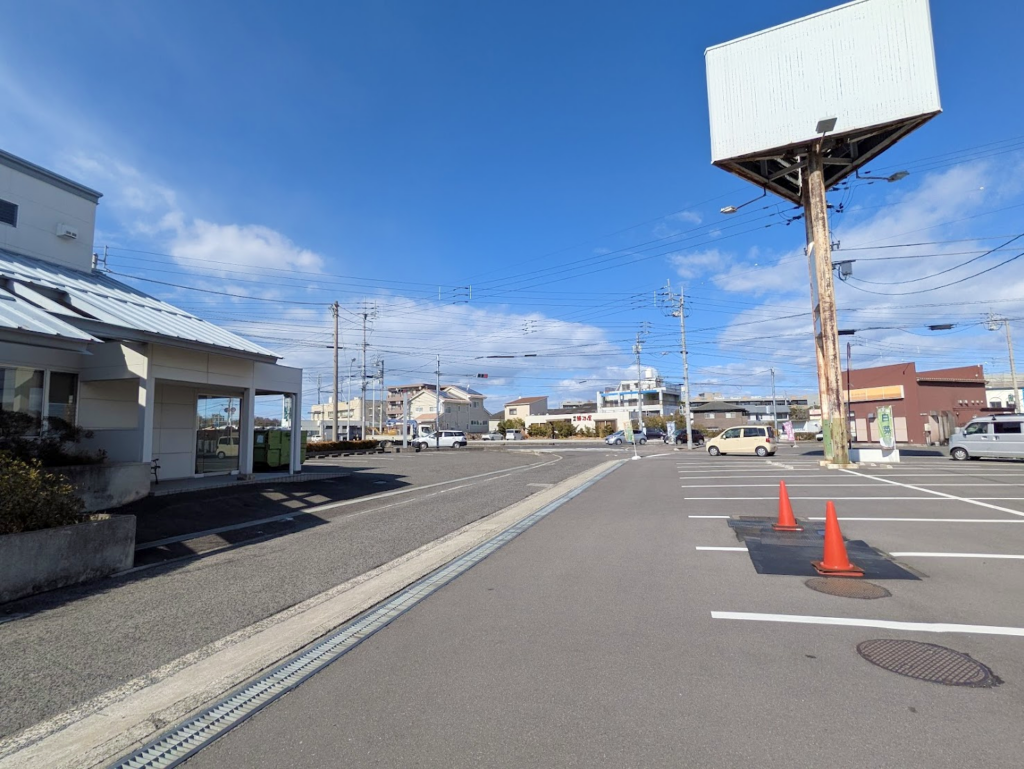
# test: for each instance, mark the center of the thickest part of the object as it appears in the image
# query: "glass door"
(217, 436)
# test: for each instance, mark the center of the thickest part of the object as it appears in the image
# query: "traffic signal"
(481, 376)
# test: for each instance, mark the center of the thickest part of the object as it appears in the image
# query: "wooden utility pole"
(835, 424)
(686, 369)
(334, 418)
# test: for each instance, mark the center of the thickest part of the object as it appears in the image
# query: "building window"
(512, 412)
(60, 402)
(21, 392)
(8, 213)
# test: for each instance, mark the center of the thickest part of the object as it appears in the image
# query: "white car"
(445, 439)
(492, 437)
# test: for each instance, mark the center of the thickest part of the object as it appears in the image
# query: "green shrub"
(31, 498)
(564, 429)
(341, 445)
(540, 430)
(56, 446)
(515, 423)
(605, 429)
(588, 432)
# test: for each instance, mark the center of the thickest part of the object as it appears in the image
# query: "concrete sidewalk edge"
(125, 718)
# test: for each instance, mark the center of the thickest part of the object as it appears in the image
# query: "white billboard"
(868, 63)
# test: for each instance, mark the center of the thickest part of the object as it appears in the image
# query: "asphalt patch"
(794, 559)
(791, 552)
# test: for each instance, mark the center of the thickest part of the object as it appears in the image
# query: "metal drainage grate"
(847, 588)
(928, 662)
(184, 740)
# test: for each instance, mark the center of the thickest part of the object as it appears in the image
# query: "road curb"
(126, 718)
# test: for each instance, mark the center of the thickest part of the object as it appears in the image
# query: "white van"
(1001, 435)
(227, 447)
(514, 435)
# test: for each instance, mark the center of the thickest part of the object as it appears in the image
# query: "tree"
(515, 423)
(799, 413)
(564, 429)
(541, 430)
(266, 422)
(655, 421)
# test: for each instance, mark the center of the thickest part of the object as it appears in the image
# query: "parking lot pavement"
(603, 637)
(64, 647)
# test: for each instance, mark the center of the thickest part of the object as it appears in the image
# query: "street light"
(734, 209)
(890, 178)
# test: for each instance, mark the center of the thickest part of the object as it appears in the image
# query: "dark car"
(654, 434)
(679, 438)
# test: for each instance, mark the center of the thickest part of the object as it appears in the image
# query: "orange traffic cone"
(786, 520)
(835, 562)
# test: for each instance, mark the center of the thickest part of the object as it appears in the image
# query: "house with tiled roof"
(521, 408)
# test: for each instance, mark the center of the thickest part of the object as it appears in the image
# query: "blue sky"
(553, 156)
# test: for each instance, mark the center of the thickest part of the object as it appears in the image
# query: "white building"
(350, 413)
(999, 391)
(151, 381)
(655, 396)
(460, 409)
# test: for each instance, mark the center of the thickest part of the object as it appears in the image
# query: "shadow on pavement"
(194, 517)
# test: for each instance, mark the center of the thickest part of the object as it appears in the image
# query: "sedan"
(619, 437)
(492, 437)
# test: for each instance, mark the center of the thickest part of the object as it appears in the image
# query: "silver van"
(996, 436)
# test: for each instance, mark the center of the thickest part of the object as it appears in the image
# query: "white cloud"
(694, 264)
(689, 217)
(249, 245)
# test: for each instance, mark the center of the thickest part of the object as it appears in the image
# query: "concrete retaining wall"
(875, 455)
(106, 486)
(35, 561)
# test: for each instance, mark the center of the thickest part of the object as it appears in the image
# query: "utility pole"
(1013, 370)
(348, 402)
(775, 411)
(835, 425)
(405, 419)
(380, 400)
(668, 299)
(686, 370)
(637, 348)
(334, 418)
(993, 324)
(437, 406)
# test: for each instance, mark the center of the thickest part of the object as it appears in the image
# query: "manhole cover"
(927, 662)
(847, 588)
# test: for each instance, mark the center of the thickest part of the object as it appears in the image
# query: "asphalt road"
(65, 647)
(590, 640)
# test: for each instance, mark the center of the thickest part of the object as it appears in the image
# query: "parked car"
(227, 447)
(820, 436)
(654, 434)
(492, 437)
(619, 437)
(751, 439)
(514, 435)
(1001, 435)
(679, 437)
(454, 439)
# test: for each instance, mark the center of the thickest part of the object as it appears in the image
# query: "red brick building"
(927, 406)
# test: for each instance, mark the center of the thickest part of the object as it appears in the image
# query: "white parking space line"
(723, 549)
(958, 555)
(925, 520)
(940, 494)
(848, 499)
(773, 485)
(709, 516)
(924, 627)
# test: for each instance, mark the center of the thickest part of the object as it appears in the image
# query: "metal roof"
(20, 315)
(92, 297)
